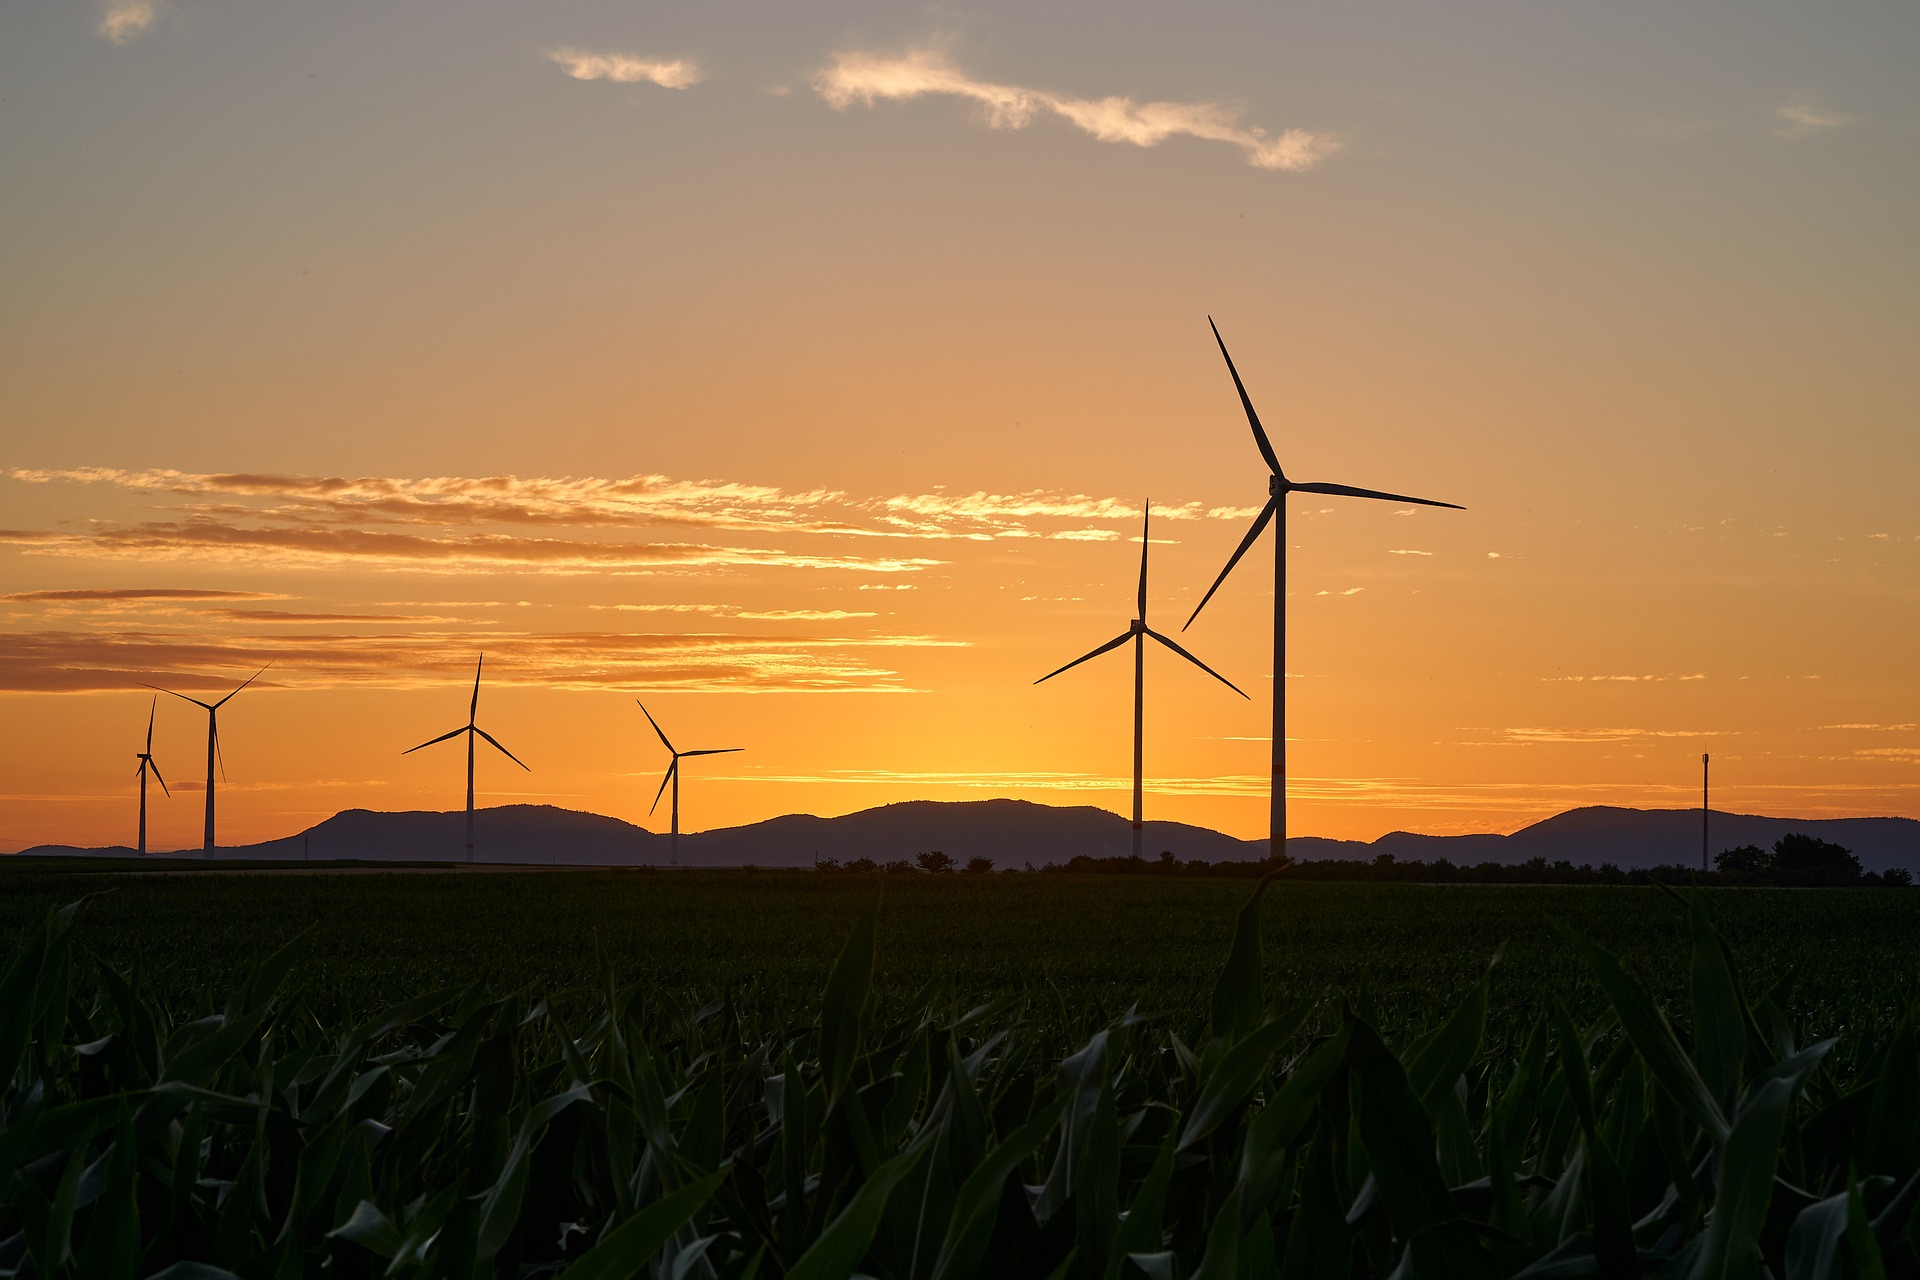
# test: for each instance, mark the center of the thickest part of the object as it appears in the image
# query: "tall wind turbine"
(214, 754)
(1278, 487)
(146, 764)
(1137, 633)
(673, 776)
(471, 729)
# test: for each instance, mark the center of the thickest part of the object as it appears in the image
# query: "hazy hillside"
(1015, 833)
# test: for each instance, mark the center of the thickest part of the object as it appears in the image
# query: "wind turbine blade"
(1253, 419)
(243, 684)
(1196, 662)
(1348, 491)
(712, 751)
(502, 750)
(218, 753)
(151, 711)
(1259, 523)
(453, 733)
(163, 781)
(1146, 515)
(473, 708)
(183, 697)
(656, 725)
(665, 778)
(1114, 643)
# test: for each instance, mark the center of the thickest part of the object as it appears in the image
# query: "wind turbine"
(1278, 487)
(213, 745)
(471, 729)
(1137, 633)
(146, 764)
(673, 776)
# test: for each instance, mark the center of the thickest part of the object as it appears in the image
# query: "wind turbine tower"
(214, 754)
(1137, 634)
(147, 765)
(1278, 487)
(472, 730)
(673, 776)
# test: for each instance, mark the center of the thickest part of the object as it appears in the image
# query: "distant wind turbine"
(1278, 487)
(471, 729)
(1137, 633)
(146, 764)
(214, 754)
(673, 776)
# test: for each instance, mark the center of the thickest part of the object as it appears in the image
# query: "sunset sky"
(802, 370)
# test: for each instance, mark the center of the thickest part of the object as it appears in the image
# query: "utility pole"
(1705, 811)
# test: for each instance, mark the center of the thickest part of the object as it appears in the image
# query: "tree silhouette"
(1803, 860)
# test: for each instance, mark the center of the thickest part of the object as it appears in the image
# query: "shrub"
(935, 863)
(979, 866)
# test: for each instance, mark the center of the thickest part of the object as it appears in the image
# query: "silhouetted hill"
(1011, 832)
(1016, 832)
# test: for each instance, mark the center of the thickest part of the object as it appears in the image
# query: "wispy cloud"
(867, 77)
(1801, 117)
(1534, 735)
(750, 661)
(134, 595)
(629, 68)
(205, 539)
(123, 21)
(1623, 679)
(359, 503)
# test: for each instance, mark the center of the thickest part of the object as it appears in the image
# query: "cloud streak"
(751, 661)
(204, 539)
(639, 502)
(1801, 117)
(867, 78)
(134, 595)
(628, 68)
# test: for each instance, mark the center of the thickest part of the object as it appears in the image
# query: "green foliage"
(463, 1134)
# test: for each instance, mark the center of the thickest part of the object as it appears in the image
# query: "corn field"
(466, 1133)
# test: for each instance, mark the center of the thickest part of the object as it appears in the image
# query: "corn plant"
(466, 1133)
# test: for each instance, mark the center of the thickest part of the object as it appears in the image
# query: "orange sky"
(829, 363)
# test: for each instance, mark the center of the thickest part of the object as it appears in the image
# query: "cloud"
(1801, 117)
(754, 661)
(803, 615)
(1529, 736)
(1624, 679)
(133, 595)
(1350, 591)
(204, 539)
(630, 502)
(734, 611)
(866, 77)
(123, 21)
(627, 68)
(584, 502)
(287, 616)
(1401, 551)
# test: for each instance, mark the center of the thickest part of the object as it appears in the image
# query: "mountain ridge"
(1017, 833)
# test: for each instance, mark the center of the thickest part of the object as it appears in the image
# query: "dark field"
(1081, 950)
